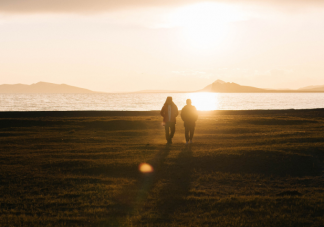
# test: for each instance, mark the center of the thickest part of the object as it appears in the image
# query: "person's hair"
(188, 101)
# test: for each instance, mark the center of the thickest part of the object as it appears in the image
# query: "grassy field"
(245, 168)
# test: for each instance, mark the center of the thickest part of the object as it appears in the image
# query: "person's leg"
(172, 127)
(187, 133)
(192, 131)
(166, 127)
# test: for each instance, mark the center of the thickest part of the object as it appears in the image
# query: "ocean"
(154, 101)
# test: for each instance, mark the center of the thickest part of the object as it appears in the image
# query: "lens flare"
(145, 168)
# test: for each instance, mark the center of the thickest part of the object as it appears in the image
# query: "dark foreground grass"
(245, 168)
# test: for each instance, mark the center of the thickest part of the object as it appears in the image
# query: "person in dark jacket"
(169, 112)
(189, 116)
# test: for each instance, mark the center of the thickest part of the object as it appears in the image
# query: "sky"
(127, 45)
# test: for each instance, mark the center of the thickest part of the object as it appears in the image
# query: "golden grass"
(245, 168)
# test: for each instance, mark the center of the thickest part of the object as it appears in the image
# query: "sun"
(205, 100)
(205, 25)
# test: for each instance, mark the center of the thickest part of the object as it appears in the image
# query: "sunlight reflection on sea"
(154, 101)
(204, 100)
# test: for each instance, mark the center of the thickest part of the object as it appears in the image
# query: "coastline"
(104, 113)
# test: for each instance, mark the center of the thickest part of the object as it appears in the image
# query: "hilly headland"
(220, 86)
(42, 87)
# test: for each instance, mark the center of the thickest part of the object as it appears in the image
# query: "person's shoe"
(170, 141)
(186, 142)
(190, 141)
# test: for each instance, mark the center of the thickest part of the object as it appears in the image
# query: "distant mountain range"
(42, 87)
(225, 87)
(218, 86)
(312, 88)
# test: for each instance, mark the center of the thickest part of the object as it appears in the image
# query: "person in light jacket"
(169, 112)
(189, 116)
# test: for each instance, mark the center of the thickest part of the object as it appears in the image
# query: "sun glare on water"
(205, 25)
(204, 100)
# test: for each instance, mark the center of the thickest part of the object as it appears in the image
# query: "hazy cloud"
(92, 6)
(79, 6)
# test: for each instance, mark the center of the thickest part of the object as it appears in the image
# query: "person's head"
(168, 100)
(188, 101)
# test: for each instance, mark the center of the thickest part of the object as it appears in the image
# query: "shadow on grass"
(178, 179)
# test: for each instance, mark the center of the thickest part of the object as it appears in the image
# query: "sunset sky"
(127, 45)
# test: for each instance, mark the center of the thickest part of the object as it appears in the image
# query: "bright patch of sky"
(140, 48)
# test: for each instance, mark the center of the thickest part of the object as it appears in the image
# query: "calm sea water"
(154, 101)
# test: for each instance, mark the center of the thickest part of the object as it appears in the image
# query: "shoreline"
(105, 113)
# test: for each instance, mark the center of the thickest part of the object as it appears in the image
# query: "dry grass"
(246, 168)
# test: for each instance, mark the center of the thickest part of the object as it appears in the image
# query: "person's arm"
(196, 114)
(182, 113)
(162, 112)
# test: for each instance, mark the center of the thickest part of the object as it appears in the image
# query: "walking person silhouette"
(189, 115)
(169, 112)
